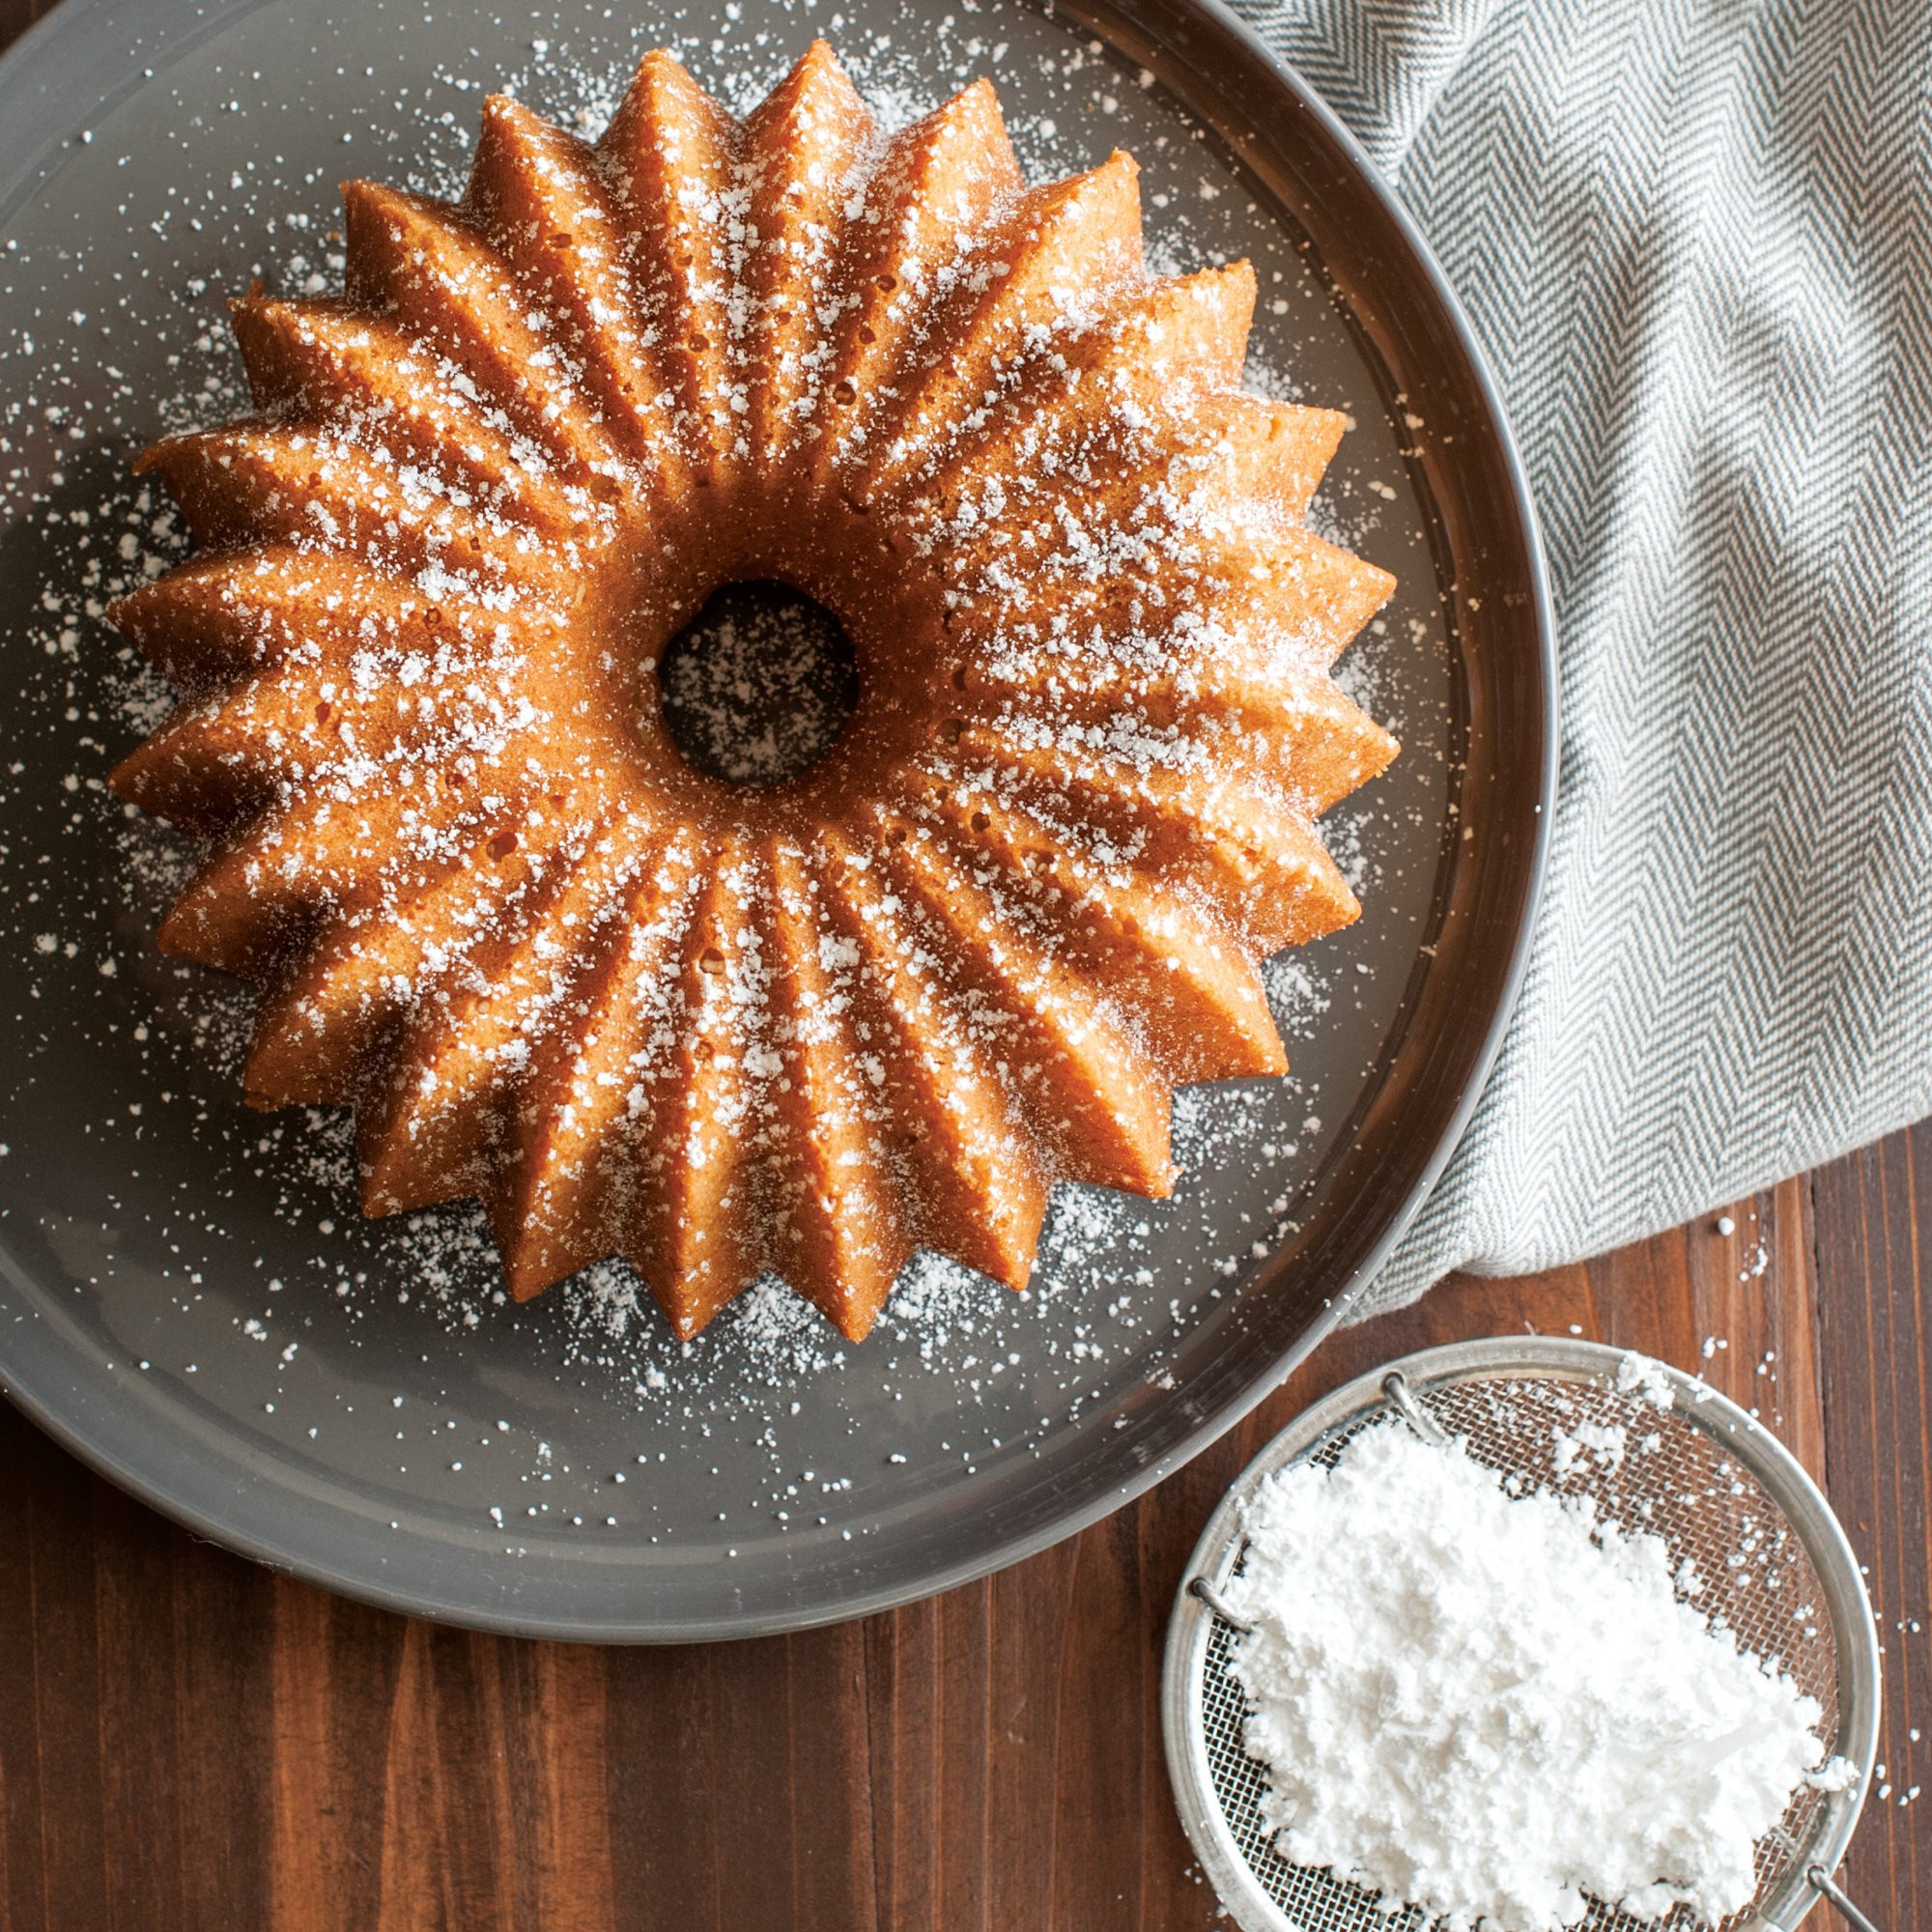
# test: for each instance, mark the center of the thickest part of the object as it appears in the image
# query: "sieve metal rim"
(1784, 1480)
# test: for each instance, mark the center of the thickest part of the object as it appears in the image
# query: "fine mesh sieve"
(1719, 1488)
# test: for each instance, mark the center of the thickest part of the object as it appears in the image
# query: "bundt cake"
(883, 1003)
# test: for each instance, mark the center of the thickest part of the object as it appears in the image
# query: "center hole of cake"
(759, 685)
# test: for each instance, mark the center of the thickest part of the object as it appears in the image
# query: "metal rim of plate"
(65, 72)
(1195, 1619)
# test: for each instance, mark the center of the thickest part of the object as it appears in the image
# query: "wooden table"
(189, 1742)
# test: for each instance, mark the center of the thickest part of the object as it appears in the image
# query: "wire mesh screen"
(1735, 1555)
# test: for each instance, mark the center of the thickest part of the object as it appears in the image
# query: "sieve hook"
(1395, 1385)
(1827, 1887)
(1198, 1586)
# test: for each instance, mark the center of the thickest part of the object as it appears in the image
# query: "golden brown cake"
(721, 1028)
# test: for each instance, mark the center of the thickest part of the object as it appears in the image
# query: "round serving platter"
(188, 1299)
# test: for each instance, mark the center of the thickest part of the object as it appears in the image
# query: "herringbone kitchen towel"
(1693, 236)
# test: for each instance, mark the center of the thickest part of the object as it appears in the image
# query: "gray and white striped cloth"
(1692, 237)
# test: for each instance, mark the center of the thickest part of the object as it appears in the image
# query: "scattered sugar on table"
(1491, 1704)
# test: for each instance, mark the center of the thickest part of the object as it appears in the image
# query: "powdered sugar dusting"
(215, 1218)
(877, 988)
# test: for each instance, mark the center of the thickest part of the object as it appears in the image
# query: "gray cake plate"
(188, 1299)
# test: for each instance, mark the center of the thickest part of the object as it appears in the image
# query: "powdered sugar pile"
(1490, 1704)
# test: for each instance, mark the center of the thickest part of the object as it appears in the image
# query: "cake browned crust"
(884, 1004)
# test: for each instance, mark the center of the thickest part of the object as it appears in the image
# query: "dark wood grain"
(186, 1740)
(1872, 1222)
